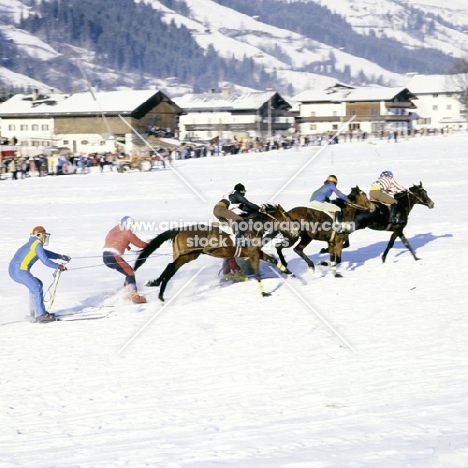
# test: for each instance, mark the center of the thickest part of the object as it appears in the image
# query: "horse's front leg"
(279, 251)
(391, 242)
(299, 250)
(335, 258)
(268, 258)
(408, 246)
(254, 258)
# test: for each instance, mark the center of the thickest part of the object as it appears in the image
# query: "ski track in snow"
(223, 377)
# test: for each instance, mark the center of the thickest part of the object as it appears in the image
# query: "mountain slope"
(303, 44)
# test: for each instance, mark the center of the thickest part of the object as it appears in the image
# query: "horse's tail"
(154, 244)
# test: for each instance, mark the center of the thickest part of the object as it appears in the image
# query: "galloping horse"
(318, 225)
(378, 218)
(191, 241)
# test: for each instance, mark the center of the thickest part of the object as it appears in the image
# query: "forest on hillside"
(319, 23)
(131, 37)
(128, 36)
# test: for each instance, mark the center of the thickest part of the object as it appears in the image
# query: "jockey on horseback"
(383, 190)
(320, 200)
(223, 212)
(238, 200)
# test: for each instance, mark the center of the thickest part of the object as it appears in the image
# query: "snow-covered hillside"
(212, 25)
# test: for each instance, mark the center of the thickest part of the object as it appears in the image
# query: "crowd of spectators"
(42, 165)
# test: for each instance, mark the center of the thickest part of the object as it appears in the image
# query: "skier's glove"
(65, 258)
(61, 267)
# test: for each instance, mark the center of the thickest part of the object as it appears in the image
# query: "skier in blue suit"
(25, 257)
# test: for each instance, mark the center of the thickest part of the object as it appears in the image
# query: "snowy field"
(223, 377)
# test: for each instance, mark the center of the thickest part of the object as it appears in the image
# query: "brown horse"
(317, 225)
(192, 241)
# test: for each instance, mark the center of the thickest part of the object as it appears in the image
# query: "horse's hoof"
(338, 275)
(161, 298)
(152, 283)
(264, 294)
(323, 250)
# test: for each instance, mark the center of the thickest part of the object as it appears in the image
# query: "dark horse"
(317, 225)
(192, 241)
(378, 218)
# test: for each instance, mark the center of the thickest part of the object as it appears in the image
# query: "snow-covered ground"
(223, 377)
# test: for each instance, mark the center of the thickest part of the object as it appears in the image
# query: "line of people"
(121, 237)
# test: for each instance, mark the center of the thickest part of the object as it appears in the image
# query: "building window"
(84, 142)
(374, 112)
(312, 114)
(334, 127)
(23, 127)
(435, 107)
(449, 106)
(35, 127)
(352, 112)
(11, 127)
(335, 113)
(45, 127)
(65, 142)
(313, 127)
(435, 95)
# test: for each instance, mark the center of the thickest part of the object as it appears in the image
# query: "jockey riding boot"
(395, 219)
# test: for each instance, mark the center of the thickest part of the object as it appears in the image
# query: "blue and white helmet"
(127, 222)
(386, 174)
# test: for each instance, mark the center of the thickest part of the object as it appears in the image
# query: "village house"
(85, 122)
(373, 109)
(438, 106)
(225, 117)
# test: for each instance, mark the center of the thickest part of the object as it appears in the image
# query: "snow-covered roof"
(429, 84)
(81, 103)
(220, 101)
(362, 94)
(373, 93)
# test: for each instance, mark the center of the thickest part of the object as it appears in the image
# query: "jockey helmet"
(331, 178)
(41, 234)
(386, 174)
(126, 222)
(239, 188)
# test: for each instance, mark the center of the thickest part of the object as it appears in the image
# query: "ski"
(88, 313)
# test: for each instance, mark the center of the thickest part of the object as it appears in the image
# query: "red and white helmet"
(41, 234)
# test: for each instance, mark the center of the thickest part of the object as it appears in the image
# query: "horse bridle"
(358, 207)
(418, 198)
